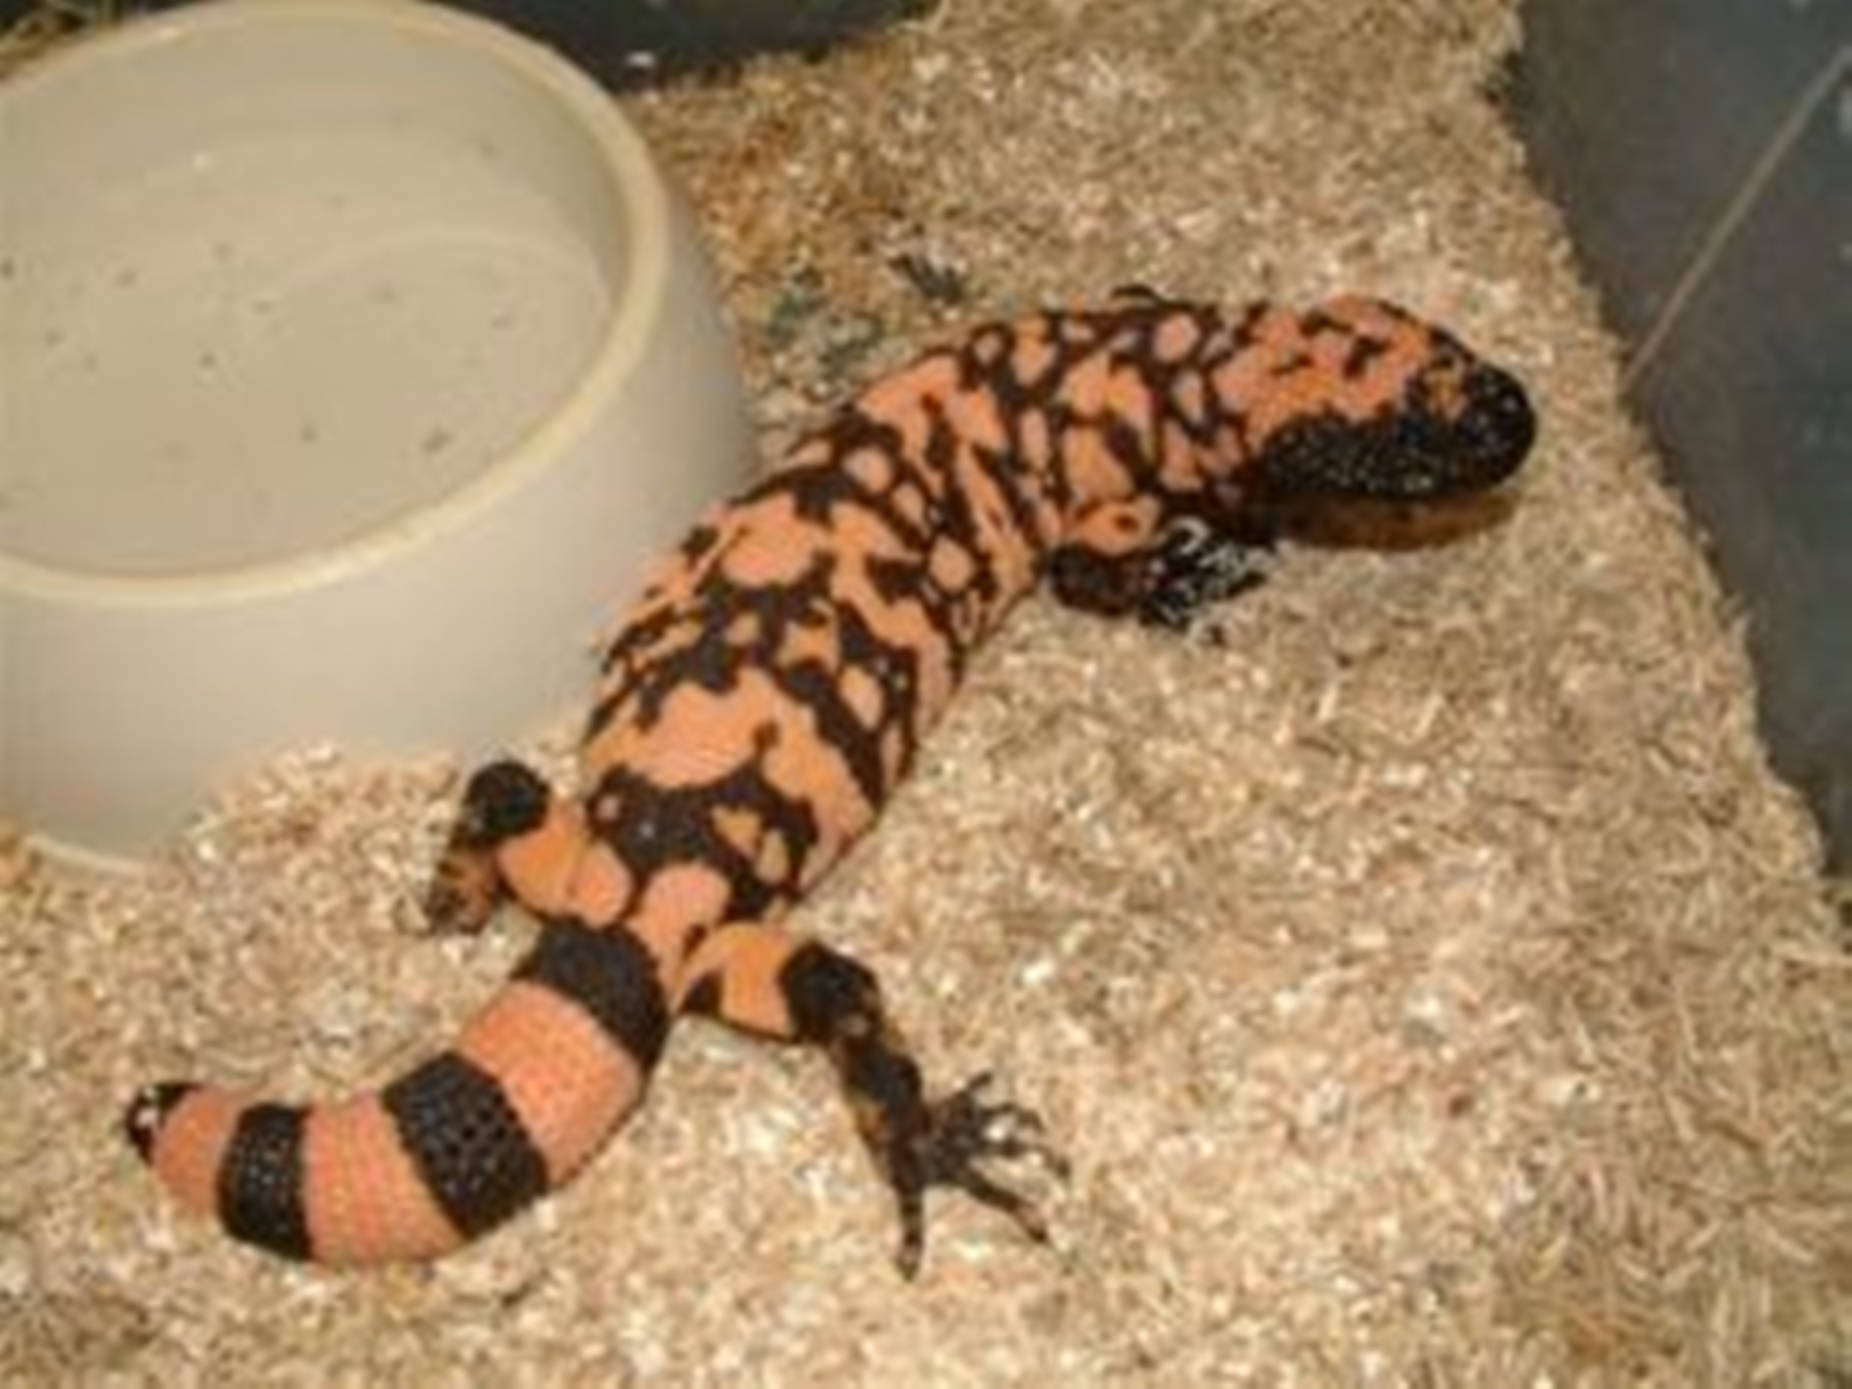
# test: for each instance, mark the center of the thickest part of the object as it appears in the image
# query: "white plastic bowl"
(354, 362)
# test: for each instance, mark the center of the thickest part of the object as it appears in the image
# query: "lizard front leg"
(1128, 559)
(1193, 565)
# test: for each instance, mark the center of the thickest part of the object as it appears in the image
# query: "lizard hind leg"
(756, 976)
(508, 826)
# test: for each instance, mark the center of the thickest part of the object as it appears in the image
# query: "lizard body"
(765, 693)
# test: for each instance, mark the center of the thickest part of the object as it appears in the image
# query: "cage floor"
(1430, 983)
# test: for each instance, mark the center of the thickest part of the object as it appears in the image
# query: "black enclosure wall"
(1702, 153)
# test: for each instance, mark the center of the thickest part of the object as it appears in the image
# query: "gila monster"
(763, 696)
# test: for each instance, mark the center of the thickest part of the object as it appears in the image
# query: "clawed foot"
(500, 801)
(960, 1131)
(1194, 565)
(464, 892)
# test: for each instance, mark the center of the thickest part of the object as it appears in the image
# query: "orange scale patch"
(1176, 337)
(951, 565)
(562, 1074)
(974, 414)
(773, 864)
(910, 502)
(807, 767)
(745, 630)
(538, 866)
(872, 468)
(1181, 464)
(1036, 442)
(680, 896)
(1034, 355)
(602, 885)
(701, 736)
(740, 827)
(864, 696)
(803, 643)
(1118, 528)
(895, 400)
(362, 1197)
(190, 1147)
(775, 548)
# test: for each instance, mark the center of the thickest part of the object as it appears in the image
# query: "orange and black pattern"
(764, 695)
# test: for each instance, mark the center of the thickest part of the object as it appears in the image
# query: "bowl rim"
(644, 207)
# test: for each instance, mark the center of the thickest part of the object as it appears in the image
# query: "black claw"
(960, 1131)
(909, 1181)
(998, 1197)
(966, 1129)
(907, 1258)
(462, 895)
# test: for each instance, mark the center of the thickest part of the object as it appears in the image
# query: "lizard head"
(1363, 400)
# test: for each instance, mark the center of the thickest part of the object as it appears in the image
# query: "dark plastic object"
(632, 43)
(1702, 154)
